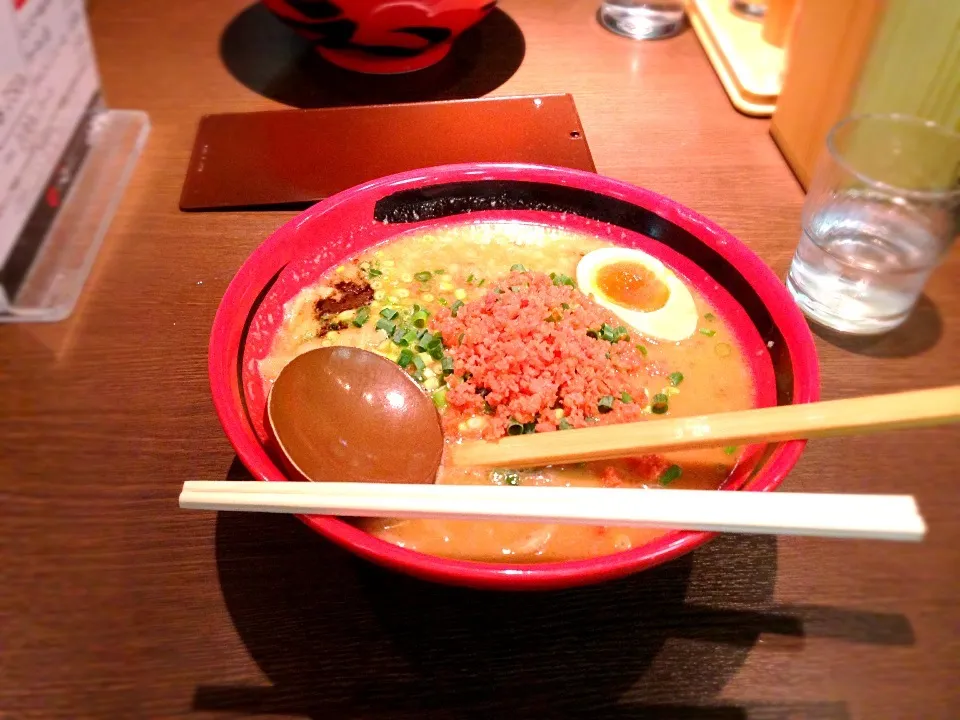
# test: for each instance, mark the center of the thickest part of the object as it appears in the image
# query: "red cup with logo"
(377, 36)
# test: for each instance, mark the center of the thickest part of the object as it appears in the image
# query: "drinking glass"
(882, 210)
(642, 20)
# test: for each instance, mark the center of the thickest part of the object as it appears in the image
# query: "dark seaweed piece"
(347, 295)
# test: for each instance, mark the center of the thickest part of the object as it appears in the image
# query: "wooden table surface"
(114, 604)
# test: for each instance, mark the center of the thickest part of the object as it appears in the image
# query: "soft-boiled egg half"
(640, 290)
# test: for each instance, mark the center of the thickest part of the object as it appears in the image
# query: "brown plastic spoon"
(348, 415)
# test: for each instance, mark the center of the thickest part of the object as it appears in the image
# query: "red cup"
(372, 36)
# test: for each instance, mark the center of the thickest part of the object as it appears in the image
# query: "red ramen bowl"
(372, 36)
(768, 324)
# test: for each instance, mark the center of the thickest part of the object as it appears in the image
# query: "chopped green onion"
(440, 398)
(606, 404)
(708, 333)
(398, 334)
(388, 313)
(423, 276)
(374, 272)
(709, 316)
(565, 306)
(408, 337)
(470, 278)
(436, 352)
(446, 364)
(424, 339)
(406, 357)
(480, 284)
(626, 397)
(387, 326)
(517, 268)
(512, 478)
(660, 404)
(363, 314)
(418, 363)
(642, 349)
(442, 301)
(670, 474)
(441, 271)
(561, 279)
(419, 318)
(675, 378)
(730, 449)
(498, 291)
(610, 333)
(515, 428)
(564, 424)
(529, 428)
(455, 308)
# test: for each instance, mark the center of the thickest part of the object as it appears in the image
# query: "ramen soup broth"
(478, 296)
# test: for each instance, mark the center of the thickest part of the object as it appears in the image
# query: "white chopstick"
(878, 517)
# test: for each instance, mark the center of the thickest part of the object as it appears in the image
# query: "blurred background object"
(866, 56)
(747, 55)
(749, 8)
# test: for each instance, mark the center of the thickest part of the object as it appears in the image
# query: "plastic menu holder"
(65, 158)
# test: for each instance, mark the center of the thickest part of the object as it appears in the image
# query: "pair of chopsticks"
(878, 517)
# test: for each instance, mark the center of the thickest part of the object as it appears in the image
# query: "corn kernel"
(345, 315)
(406, 277)
(393, 299)
(332, 334)
(341, 269)
(431, 384)
(459, 293)
(671, 390)
(428, 297)
(446, 285)
(558, 413)
(429, 373)
(325, 343)
(403, 292)
(378, 253)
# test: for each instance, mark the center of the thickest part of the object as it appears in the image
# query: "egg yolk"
(632, 286)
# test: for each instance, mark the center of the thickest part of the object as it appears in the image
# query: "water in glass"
(642, 20)
(862, 262)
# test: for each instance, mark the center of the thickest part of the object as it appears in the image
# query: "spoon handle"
(862, 415)
(879, 517)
